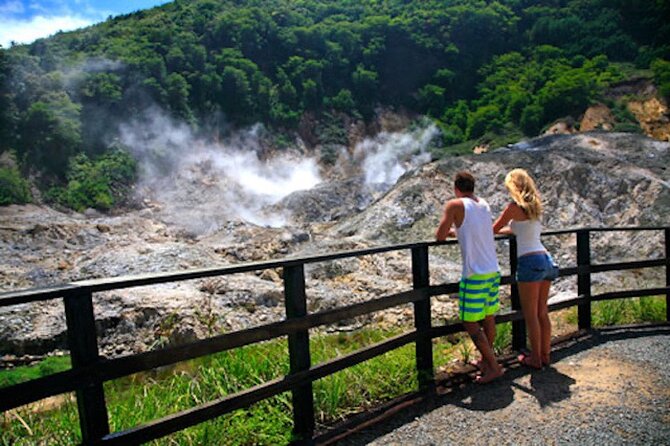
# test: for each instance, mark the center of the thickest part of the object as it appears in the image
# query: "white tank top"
(475, 237)
(527, 234)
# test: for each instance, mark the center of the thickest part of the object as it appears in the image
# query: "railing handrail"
(115, 283)
(9, 298)
(89, 371)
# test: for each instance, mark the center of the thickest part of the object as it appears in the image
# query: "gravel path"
(610, 388)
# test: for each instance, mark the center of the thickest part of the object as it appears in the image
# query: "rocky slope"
(588, 179)
(591, 179)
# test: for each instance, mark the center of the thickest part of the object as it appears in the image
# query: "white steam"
(201, 185)
(389, 155)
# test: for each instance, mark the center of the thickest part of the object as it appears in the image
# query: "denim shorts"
(536, 267)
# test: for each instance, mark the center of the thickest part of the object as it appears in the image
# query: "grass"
(503, 338)
(624, 311)
(494, 140)
(48, 366)
(143, 397)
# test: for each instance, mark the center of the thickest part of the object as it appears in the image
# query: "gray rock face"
(587, 180)
(332, 201)
(590, 179)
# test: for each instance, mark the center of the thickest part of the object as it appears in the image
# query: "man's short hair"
(465, 182)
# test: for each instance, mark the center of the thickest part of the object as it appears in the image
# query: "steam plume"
(201, 185)
(389, 155)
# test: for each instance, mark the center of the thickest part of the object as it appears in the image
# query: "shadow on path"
(548, 386)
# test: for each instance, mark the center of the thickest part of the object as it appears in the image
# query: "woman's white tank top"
(527, 234)
(475, 237)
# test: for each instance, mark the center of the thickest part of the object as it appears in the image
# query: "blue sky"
(23, 21)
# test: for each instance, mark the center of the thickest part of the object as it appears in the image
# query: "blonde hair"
(524, 193)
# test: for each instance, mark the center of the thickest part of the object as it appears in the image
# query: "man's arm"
(445, 228)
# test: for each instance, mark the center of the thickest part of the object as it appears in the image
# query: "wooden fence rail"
(89, 371)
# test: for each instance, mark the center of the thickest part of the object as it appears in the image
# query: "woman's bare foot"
(477, 363)
(489, 375)
(528, 361)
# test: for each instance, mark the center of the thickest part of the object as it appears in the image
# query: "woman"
(535, 267)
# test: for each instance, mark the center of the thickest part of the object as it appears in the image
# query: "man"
(468, 217)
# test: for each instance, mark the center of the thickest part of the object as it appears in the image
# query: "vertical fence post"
(667, 273)
(422, 316)
(83, 344)
(298, 348)
(584, 278)
(518, 327)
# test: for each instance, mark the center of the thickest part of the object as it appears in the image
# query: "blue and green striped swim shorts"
(478, 296)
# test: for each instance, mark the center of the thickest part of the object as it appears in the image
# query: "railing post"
(422, 319)
(667, 273)
(518, 327)
(83, 343)
(584, 278)
(298, 348)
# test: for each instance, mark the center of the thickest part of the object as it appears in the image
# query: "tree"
(484, 119)
(531, 119)
(8, 110)
(177, 93)
(343, 101)
(365, 88)
(431, 99)
(457, 115)
(569, 94)
(50, 134)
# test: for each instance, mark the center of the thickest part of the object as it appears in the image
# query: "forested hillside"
(474, 66)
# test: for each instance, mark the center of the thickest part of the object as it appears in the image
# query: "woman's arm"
(500, 226)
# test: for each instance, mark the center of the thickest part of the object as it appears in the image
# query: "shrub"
(329, 154)
(661, 69)
(13, 188)
(343, 101)
(100, 184)
(531, 119)
(484, 119)
(627, 127)
(451, 135)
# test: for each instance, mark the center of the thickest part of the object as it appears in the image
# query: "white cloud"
(26, 31)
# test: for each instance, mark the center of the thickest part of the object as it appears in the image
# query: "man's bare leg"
(491, 369)
(489, 325)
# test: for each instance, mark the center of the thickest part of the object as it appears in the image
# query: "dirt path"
(610, 387)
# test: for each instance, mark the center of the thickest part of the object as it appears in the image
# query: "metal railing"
(89, 370)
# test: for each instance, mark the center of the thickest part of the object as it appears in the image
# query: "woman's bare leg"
(545, 322)
(529, 293)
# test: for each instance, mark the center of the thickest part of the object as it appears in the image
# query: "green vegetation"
(100, 184)
(661, 69)
(48, 366)
(487, 71)
(13, 188)
(625, 311)
(143, 397)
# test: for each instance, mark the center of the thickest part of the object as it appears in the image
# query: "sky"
(23, 21)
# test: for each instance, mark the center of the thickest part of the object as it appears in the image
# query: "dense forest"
(473, 66)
